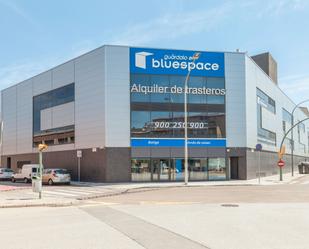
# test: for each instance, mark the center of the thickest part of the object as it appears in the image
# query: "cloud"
(168, 26)
(278, 7)
(295, 86)
(15, 73)
(18, 10)
(20, 71)
(171, 26)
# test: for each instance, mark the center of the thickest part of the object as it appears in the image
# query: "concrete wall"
(102, 165)
(268, 162)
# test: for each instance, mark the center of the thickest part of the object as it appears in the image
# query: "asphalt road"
(297, 191)
(218, 217)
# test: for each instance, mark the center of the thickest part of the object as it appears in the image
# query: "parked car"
(26, 173)
(52, 176)
(6, 174)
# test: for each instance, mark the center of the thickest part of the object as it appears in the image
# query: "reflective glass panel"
(140, 169)
(216, 169)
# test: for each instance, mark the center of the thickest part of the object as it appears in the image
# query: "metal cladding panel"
(117, 96)
(42, 83)
(24, 117)
(9, 119)
(235, 84)
(63, 75)
(89, 100)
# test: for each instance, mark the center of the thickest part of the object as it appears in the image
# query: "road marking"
(167, 202)
(143, 232)
(93, 191)
(98, 203)
(57, 193)
(304, 183)
(73, 192)
(77, 192)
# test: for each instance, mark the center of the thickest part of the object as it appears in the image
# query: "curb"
(146, 189)
(38, 205)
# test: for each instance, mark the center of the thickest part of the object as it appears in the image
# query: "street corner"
(23, 202)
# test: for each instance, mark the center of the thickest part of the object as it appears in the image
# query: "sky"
(37, 35)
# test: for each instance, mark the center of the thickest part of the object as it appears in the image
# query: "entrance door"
(161, 170)
(234, 167)
(8, 162)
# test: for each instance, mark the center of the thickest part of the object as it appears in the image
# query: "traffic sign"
(258, 147)
(79, 153)
(281, 163)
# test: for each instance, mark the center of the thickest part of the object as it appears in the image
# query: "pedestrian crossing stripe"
(57, 193)
(77, 191)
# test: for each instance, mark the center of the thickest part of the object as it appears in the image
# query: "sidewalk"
(269, 180)
(17, 199)
(11, 196)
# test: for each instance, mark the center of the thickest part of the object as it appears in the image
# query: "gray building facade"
(122, 108)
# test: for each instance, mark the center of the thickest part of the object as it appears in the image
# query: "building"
(117, 114)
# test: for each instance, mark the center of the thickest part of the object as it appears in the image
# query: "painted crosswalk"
(73, 192)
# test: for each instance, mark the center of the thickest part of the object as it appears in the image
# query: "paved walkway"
(79, 191)
(269, 180)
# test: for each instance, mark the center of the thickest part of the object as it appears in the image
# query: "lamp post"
(41, 148)
(292, 135)
(194, 57)
(285, 135)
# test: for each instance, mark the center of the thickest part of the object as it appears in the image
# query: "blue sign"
(177, 62)
(161, 142)
(258, 147)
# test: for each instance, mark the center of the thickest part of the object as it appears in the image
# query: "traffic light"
(281, 152)
(42, 147)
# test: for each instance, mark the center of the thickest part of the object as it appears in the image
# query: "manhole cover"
(229, 205)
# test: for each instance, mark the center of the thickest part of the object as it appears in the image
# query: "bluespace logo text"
(161, 61)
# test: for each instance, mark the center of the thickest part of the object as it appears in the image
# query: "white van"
(26, 173)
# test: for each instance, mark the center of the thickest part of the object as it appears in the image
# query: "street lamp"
(41, 148)
(292, 137)
(194, 57)
(281, 144)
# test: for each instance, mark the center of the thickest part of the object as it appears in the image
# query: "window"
(264, 135)
(161, 114)
(172, 169)
(286, 116)
(264, 101)
(42, 104)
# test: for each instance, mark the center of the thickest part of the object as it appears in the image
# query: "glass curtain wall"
(156, 114)
(172, 169)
